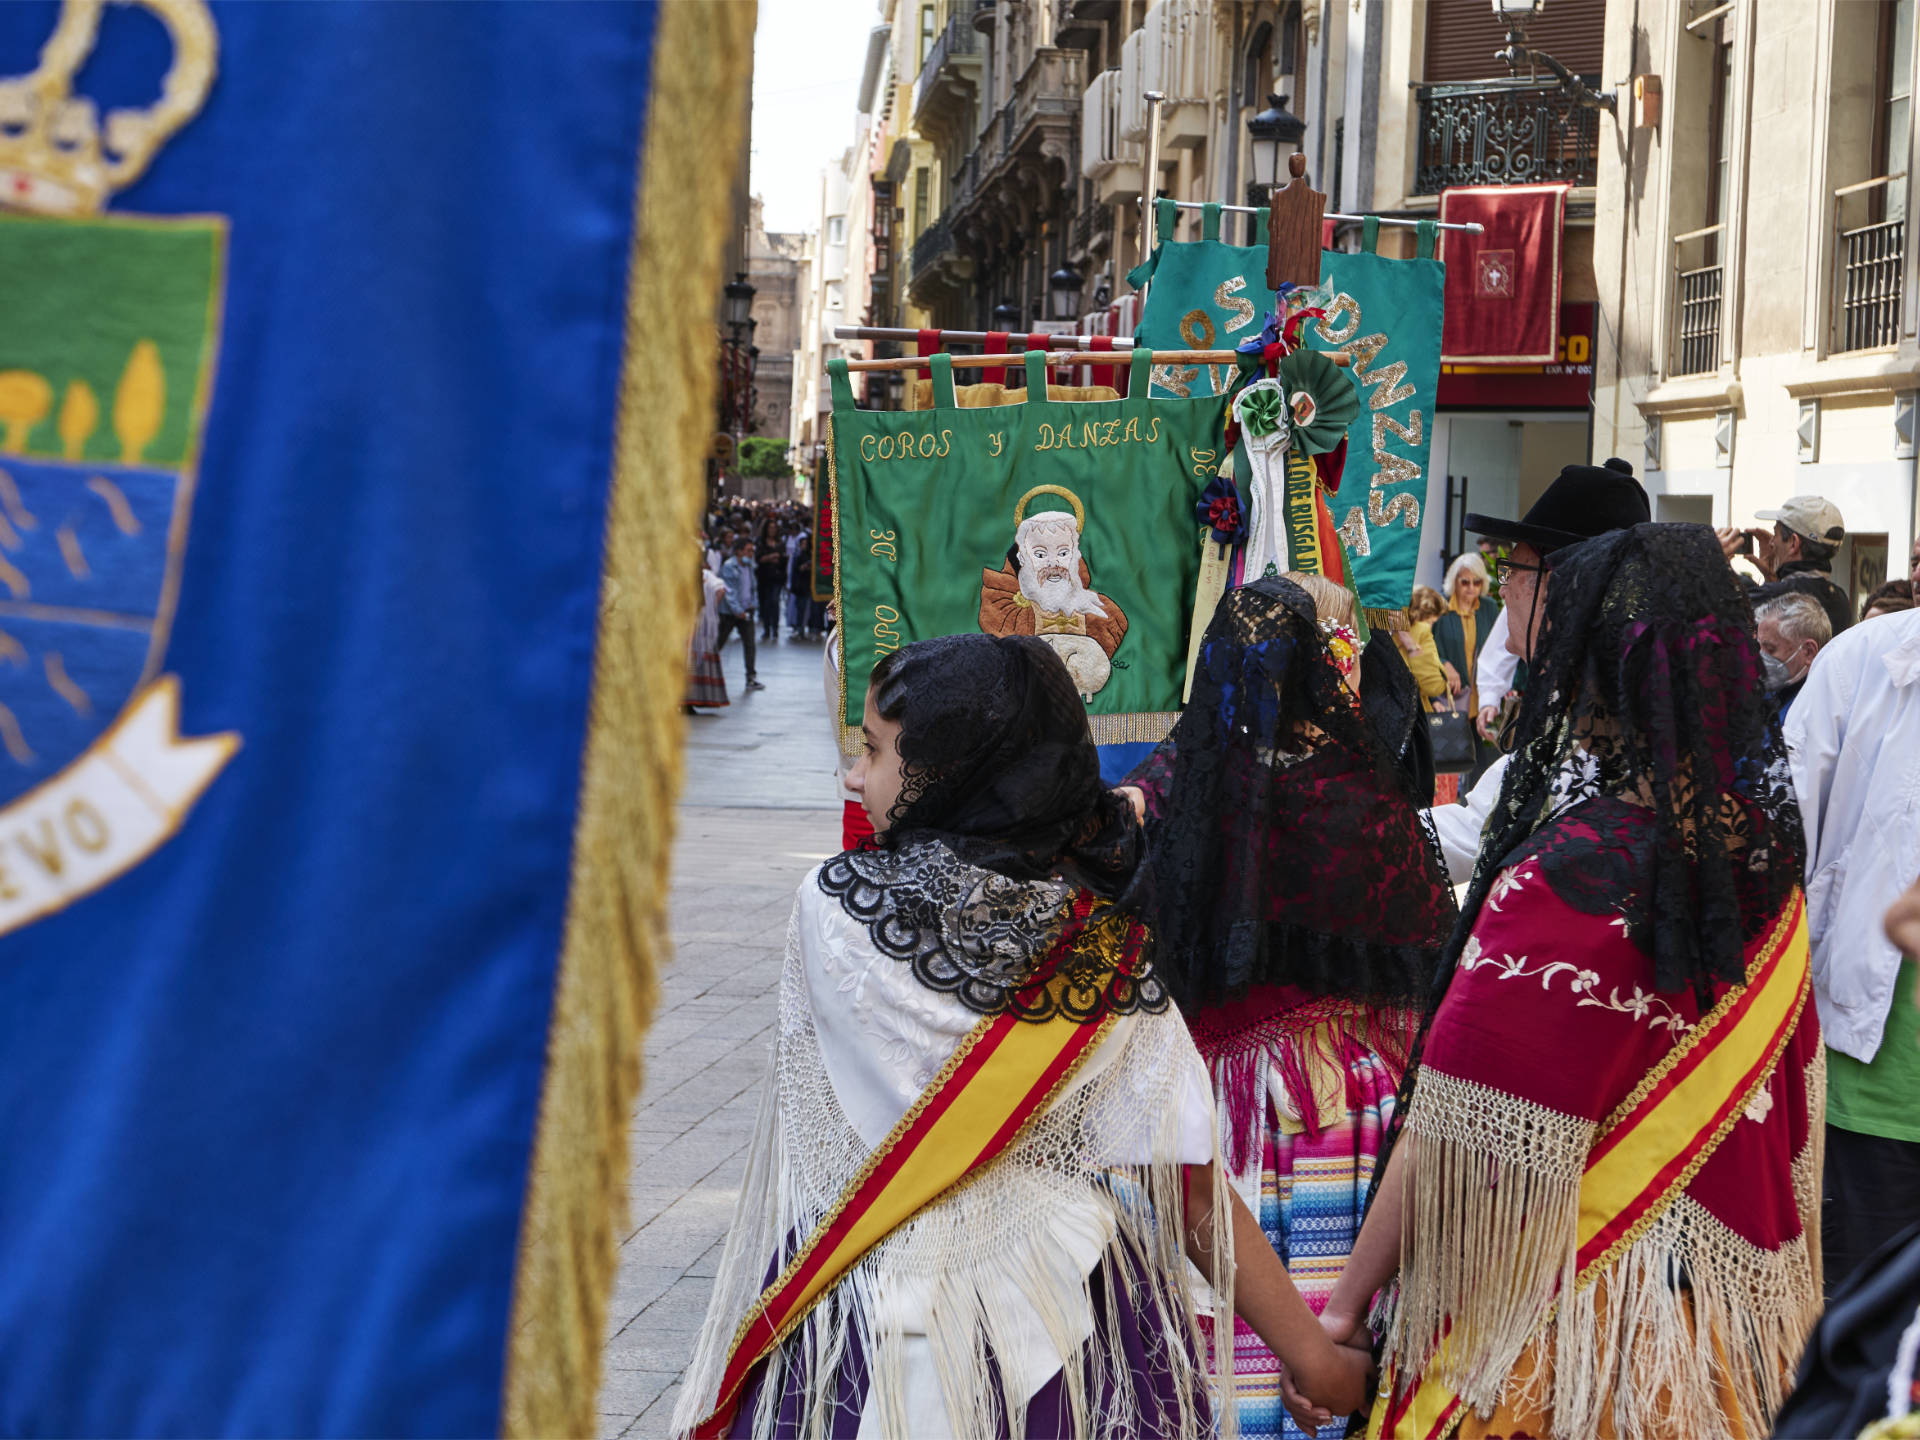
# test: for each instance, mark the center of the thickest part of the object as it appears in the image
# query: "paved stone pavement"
(759, 810)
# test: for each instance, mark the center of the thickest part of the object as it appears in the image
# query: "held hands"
(1489, 716)
(1453, 677)
(1335, 1386)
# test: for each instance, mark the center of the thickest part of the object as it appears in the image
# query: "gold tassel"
(616, 901)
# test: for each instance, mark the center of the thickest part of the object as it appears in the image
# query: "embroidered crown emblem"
(57, 156)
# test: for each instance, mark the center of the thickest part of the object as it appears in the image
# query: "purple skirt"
(1149, 1392)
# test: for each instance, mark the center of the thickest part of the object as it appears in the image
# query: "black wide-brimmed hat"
(1583, 502)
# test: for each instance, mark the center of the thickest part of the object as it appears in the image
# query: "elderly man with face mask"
(1793, 629)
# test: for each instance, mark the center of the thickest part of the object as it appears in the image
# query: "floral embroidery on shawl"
(1642, 1004)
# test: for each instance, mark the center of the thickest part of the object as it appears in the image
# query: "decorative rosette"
(1261, 409)
(1221, 511)
(1343, 645)
(1322, 398)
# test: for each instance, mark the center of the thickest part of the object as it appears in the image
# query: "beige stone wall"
(1804, 91)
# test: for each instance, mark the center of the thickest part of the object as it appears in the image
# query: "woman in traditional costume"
(985, 1152)
(706, 681)
(1602, 1207)
(1301, 909)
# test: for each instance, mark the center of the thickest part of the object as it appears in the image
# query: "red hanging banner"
(1503, 285)
(1104, 374)
(996, 344)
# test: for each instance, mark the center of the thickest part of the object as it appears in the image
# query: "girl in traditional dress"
(1602, 1208)
(706, 682)
(985, 1153)
(1301, 910)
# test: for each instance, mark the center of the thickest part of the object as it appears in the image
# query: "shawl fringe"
(947, 1275)
(1692, 1330)
(1243, 1047)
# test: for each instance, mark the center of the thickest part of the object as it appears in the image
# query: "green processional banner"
(1387, 314)
(1205, 295)
(1071, 521)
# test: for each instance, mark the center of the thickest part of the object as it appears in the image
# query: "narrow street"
(758, 811)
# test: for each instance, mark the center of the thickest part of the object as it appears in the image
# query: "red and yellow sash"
(1653, 1144)
(1004, 1075)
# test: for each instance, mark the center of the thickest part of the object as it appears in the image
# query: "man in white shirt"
(1853, 737)
(1497, 665)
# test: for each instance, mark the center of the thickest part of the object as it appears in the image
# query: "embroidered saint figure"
(1045, 588)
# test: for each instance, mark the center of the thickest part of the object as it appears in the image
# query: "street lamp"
(1006, 315)
(737, 308)
(1064, 285)
(1276, 134)
(1515, 14)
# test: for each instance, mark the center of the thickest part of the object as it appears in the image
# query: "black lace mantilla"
(1284, 846)
(994, 943)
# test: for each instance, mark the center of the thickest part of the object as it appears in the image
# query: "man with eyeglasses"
(1583, 503)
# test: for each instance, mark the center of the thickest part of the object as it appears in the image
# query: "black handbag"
(1451, 731)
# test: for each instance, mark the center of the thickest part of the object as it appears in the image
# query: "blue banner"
(308, 375)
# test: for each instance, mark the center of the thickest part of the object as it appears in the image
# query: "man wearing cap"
(1583, 503)
(1797, 555)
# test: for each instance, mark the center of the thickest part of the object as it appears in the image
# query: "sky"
(807, 57)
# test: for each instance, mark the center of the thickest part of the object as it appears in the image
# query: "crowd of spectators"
(762, 553)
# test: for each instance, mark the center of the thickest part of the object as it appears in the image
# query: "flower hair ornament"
(1343, 646)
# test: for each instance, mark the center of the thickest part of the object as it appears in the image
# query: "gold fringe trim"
(1145, 726)
(1142, 727)
(616, 903)
(1389, 620)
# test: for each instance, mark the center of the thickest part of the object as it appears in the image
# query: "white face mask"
(1779, 674)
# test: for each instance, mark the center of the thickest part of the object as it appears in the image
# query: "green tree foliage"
(764, 457)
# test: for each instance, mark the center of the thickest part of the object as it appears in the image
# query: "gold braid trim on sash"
(1693, 1166)
(1708, 1023)
(615, 929)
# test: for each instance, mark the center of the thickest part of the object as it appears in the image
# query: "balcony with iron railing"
(1047, 97)
(1503, 132)
(950, 75)
(1697, 288)
(1093, 224)
(934, 245)
(1869, 264)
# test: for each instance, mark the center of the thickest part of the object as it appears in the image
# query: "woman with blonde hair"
(1459, 635)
